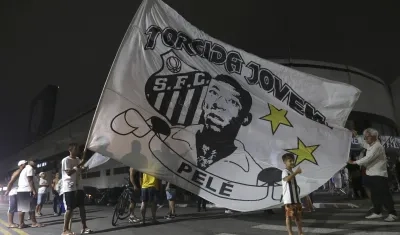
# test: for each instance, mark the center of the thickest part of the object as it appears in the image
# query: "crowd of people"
(26, 197)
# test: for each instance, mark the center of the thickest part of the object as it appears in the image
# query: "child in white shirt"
(290, 194)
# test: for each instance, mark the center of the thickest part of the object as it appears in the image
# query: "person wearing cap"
(42, 193)
(12, 187)
(27, 196)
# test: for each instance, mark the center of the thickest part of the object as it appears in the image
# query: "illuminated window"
(43, 164)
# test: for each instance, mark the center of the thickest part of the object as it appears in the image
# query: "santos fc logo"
(176, 90)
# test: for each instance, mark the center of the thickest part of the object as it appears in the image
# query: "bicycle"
(121, 210)
(102, 196)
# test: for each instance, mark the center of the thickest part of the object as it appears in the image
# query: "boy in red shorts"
(290, 194)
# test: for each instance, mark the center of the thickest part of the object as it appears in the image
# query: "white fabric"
(23, 183)
(42, 189)
(96, 160)
(288, 189)
(375, 160)
(69, 183)
(213, 119)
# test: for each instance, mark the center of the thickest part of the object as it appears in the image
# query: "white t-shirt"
(70, 183)
(290, 193)
(42, 189)
(23, 183)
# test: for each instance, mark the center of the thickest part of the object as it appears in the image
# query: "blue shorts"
(13, 204)
(365, 181)
(149, 194)
(42, 197)
(171, 194)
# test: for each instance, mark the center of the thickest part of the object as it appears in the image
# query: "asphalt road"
(215, 222)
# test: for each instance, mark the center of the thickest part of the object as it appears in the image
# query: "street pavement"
(215, 222)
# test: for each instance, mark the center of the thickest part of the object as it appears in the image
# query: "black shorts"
(74, 199)
(149, 194)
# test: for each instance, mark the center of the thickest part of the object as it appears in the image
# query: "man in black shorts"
(134, 185)
(74, 195)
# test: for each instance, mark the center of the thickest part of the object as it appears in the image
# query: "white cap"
(22, 162)
(41, 173)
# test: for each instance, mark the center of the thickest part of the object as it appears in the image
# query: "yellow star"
(304, 153)
(276, 117)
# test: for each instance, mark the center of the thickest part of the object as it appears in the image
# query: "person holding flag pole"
(73, 191)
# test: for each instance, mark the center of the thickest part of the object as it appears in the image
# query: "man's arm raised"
(14, 177)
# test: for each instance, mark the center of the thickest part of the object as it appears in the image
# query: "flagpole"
(108, 77)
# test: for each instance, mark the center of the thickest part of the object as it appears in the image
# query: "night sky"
(72, 44)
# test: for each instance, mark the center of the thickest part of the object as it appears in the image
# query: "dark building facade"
(42, 112)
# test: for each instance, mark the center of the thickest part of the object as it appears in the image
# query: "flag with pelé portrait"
(213, 119)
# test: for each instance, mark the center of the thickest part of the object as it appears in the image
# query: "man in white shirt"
(12, 188)
(72, 189)
(377, 176)
(26, 196)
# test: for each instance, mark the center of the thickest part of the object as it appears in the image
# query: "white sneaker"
(391, 218)
(374, 216)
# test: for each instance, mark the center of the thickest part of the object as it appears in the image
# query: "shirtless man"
(57, 199)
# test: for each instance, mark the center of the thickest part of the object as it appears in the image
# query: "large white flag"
(96, 160)
(213, 119)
